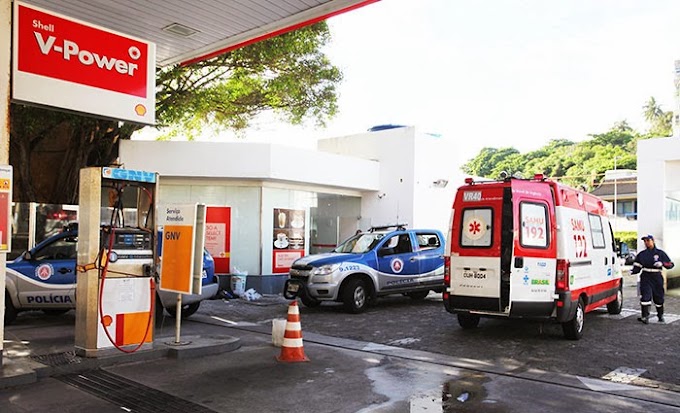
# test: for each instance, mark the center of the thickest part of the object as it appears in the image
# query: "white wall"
(658, 171)
(410, 162)
(435, 159)
(651, 157)
(241, 160)
(394, 149)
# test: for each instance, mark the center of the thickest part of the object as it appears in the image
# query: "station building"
(287, 202)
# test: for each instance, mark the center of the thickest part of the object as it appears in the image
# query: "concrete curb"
(23, 370)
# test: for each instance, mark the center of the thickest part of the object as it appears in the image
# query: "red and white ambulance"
(530, 249)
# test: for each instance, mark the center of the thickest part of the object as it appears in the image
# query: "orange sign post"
(182, 252)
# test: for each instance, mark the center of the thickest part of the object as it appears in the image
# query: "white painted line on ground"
(624, 375)
(627, 312)
(233, 323)
(606, 386)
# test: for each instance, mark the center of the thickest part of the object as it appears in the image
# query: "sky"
(497, 72)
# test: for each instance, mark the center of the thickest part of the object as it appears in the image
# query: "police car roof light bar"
(399, 227)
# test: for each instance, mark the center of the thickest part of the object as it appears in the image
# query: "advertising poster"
(288, 238)
(5, 208)
(218, 236)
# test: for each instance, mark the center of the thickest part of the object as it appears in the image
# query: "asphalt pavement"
(399, 356)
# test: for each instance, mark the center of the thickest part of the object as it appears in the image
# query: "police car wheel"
(468, 321)
(573, 329)
(418, 295)
(55, 311)
(187, 310)
(616, 306)
(355, 296)
(309, 301)
(10, 311)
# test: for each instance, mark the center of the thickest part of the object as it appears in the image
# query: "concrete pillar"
(87, 296)
(5, 70)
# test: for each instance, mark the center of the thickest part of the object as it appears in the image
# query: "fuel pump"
(115, 283)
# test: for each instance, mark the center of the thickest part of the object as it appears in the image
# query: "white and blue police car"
(44, 278)
(371, 264)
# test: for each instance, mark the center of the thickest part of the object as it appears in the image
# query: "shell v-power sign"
(68, 64)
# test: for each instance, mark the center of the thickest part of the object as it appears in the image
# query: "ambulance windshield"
(360, 243)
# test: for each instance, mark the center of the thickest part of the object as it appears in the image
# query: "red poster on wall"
(217, 236)
(5, 208)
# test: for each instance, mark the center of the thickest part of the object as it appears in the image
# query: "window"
(626, 208)
(397, 244)
(596, 230)
(65, 248)
(477, 228)
(534, 222)
(428, 241)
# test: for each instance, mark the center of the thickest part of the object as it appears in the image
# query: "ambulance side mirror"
(26, 256)
(623, 249)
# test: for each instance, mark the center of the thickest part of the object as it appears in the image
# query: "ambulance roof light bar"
(539, 177)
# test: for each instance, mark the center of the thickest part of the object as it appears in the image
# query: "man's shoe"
(644, 320)
(661, 319)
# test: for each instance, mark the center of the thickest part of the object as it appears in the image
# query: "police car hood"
(317, 260)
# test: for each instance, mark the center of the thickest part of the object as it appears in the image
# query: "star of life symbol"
(476, 228)
(526, 279)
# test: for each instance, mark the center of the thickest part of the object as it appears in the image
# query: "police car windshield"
(360, 243)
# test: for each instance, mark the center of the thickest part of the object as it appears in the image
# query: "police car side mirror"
(26, 256)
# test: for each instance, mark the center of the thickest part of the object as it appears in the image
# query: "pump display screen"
(132, 240)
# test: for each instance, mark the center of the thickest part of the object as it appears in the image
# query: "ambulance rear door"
(534, 256)
(475, 252)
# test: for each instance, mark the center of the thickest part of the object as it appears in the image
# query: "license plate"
(293, 287)
(474, 275)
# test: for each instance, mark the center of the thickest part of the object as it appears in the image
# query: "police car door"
(47, 279)
(534, 257)
(397, 264)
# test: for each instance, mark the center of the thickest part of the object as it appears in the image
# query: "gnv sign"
(69, 64)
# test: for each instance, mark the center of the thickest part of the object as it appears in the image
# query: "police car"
(371, 264)
(44, 278)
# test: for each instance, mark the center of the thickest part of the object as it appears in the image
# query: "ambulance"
(530, 248)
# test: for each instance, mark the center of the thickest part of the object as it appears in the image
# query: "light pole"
(616, 218)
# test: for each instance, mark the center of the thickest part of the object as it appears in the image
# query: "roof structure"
(190, 31)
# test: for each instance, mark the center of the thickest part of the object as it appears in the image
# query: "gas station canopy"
(190, 31)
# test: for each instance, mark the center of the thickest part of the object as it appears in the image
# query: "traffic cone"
(292, 350)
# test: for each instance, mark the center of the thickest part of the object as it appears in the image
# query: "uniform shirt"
(645, 261)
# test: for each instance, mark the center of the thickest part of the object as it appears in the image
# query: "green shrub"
(629, 237)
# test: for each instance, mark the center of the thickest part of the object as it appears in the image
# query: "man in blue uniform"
(650, 262)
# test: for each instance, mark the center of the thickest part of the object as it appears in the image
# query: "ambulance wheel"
(418, 295)
(10, 311)
(355, 296)
(187, 310)
(468, 321)
(309, 301)
(616, 306)
(573, 329)
(55, 311)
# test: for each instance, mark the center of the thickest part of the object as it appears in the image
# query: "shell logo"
(140, 109)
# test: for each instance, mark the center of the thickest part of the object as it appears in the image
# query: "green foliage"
(629, 237)
(576, 164)
(288, 74)
(582, 163)
(661, 122)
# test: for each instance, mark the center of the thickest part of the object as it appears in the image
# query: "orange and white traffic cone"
(292, 350)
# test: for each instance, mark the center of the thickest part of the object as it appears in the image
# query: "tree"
(660, 122)
(576, 164)
(288, 74)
